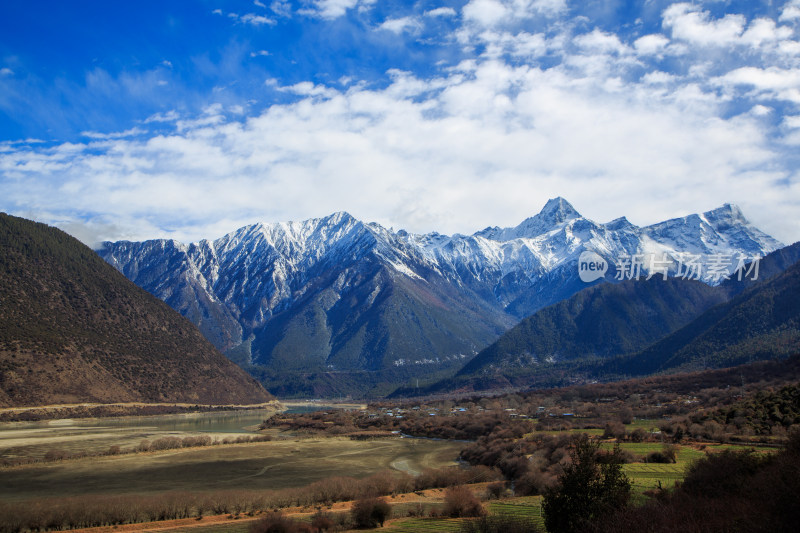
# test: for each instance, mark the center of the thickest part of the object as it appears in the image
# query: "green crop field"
(424, 525)
(527, 508)
(647, 424)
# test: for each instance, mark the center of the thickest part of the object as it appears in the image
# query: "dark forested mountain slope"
(602, 321)
(763, 322)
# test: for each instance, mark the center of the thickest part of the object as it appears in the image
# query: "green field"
(528, 508)
(412, 525)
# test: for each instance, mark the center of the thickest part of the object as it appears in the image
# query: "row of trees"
(100, 510)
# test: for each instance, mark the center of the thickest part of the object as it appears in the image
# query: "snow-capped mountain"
(338, 294)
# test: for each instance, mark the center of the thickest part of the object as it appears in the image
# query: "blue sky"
(189, 119)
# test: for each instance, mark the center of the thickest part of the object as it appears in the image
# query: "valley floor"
(254, 466)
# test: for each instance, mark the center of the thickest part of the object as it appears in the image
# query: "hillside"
(763, 322)
(602, 321)
(73, 329)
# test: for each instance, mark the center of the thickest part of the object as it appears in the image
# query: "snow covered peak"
(727, 213)
(620, 224)
(720, 230)
(556, 212)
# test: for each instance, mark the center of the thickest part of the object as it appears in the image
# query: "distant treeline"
(162, 443)
(110, 411)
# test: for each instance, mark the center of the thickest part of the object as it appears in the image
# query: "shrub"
(277, 523)
(638, 435)
(460, 502)
(668, 454)
(614, 430)
(371, 512)
(533, 483)
(56, 455)
(496, 490)
(322, 521)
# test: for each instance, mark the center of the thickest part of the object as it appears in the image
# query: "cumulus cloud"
(492, 13)
(535, 111)
(780, 84)
(441, 12)
(689, 23)
(399, 25)
(651, 44)
(486, 144)
(790, 11)
(332, 9)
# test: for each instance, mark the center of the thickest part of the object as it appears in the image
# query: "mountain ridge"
(254, 290)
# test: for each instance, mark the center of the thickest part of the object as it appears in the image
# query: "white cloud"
(599, 42)
(545, 108)
(331, 9)
(282, 8)
(441, 12)
(306, 88)
(114, 135)
(169, 116)
(259, 4)
(652, 44)
(790, 11)
(521, 45)
(486, 12)
(491, 13)
(761, 31)
(776, 83)
(761, 110)
(259, 53)
(689, 23)
(256, 20)
(399, 25)
(658, 77)
(487, 143)
(792, 121)
(5, 71)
